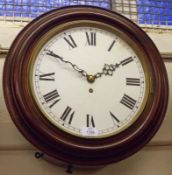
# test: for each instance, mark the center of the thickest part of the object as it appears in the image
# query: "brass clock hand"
(74, 66)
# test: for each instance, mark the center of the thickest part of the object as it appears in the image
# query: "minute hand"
(74, 66)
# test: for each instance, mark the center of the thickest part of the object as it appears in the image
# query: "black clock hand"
(108, 69)
(74, 66)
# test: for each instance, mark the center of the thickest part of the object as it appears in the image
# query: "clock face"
(88, 81)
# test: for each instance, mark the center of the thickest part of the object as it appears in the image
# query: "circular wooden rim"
(53, 141)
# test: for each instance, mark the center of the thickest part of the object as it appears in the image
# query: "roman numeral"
(47, 77)
(67, 115)
(126, 61)
(111, 46)
(128, 101)
(52, 97)
(90, 121)
(91, 38)
(133, 81)
(115, 119)
(70, 41)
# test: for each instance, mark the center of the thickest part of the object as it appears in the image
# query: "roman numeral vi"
(90, 121)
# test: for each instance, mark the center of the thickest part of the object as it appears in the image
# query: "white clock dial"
(89, 82)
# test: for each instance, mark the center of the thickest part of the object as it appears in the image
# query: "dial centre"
(90, 78)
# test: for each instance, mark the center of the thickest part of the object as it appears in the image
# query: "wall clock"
(85, 85)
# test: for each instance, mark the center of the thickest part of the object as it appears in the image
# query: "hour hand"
(108, 69)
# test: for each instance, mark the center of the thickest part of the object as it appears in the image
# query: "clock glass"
(88, 79)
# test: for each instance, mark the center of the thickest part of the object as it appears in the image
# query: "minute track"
(71, 114)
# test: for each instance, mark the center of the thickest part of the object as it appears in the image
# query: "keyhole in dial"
(91, 90)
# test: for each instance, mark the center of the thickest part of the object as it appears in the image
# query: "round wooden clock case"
(50, 137)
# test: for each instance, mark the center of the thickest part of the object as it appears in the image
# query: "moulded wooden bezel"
(53, 141)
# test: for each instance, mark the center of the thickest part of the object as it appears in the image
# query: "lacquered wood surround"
(52, 140)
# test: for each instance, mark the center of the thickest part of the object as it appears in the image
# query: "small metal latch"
(39, 155)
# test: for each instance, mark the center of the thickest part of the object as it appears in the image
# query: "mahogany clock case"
(57, 143)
